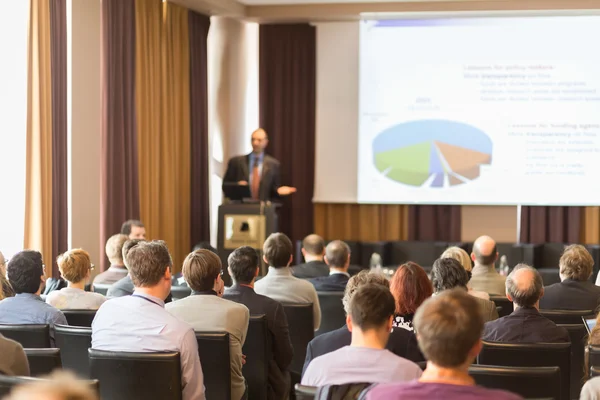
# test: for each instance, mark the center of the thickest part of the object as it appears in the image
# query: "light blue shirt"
(253, 159)
(140, 323)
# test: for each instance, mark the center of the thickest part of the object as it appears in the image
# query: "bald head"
(260, 140)
(313, 246)
(484, 251)
(337, 255)
(524, 286)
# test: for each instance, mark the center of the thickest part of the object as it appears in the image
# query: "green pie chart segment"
(409, 165)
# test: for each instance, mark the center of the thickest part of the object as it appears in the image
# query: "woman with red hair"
(410, 287)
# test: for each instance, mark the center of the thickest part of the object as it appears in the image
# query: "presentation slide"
(501, 111)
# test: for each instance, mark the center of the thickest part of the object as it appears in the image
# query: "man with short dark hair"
(114, 252)
(244, 268)
(313, 250)
(525, 288)
(279, 284)
(449, 326)
(140, 323)
(484, 277)
(134, 229)
(337, 257)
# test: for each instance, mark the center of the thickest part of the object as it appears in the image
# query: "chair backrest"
(74, 342)
(506, 306)
(180, 292)
(594, 372)
(348, 391)
(332, 311)
(578, 335)
(531, 355)
(80, 317)
(43, 361)
(257, 349)
(136, 376)
(213, 348)
(300, 321)
(101, 288)
(529, 382)
(7, 383)
(567, 316)
(593, 356)
(30, 336)
(305, 392)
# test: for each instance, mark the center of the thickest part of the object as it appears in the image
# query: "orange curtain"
(591, 225)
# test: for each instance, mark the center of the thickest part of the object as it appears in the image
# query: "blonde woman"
(75, 267)
(5, 289)
(463, 258)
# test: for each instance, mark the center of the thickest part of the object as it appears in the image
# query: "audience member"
(463, 258)
(591, 389)
(114, 252)
(60, 385)
(139, 323)
(484, 276)
(575, 291)
(279, 283)
(366, 359)
(205, 310)
(178, 279)
(449, 327)
(337, 257)
(401, 342)
(124, 286)
(75, 267)
(410, 287)
(447, 273)
(244, 268)
(5, 289)
(134, 229)
(524, 287)
(26, 274)
(13, 361)
(313, 250)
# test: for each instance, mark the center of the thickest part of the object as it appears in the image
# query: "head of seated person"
(127, 246)
(359, 280)
(57, 386)
(75, 267)
(243, 265)
(461, 256)
(484, 251)
(524, 287)
(410, 287)
(337, 256)
(114, 249)
(576, 263)
(134, 229)
(26, 272)
(447, 273)
(370, 318)
(277, 251)
(313, 248)
(202, 271)
(150, 265)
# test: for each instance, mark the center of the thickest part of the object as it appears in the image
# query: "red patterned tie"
(255, 180)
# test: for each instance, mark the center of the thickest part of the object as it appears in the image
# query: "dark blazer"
(279, 377)
(524, 325)
(238, 169)
(571, 295)
(311, 269)
(124, 287)
(330, 283)
(402, 343)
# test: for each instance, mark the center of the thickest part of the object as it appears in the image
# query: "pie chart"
(432, 153)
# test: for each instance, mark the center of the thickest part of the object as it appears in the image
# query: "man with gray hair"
(337, 256)
(525, 288)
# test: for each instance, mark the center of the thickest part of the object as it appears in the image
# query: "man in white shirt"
(279, 283)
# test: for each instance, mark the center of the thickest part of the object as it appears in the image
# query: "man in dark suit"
(525, 288)
(313, 250)
(575, 291)
(337, 257)
(244, 268)
(401, 341)
(258, 170)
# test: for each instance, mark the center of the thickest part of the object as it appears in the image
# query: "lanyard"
(147, 299)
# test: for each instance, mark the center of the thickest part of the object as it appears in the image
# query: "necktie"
(255, 180)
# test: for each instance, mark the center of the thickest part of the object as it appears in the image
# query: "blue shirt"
(140, 323)
(256, 159)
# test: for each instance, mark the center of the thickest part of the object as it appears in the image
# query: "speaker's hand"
(286, 190)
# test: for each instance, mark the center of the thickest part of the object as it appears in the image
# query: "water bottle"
(375, 262)
(504, 268)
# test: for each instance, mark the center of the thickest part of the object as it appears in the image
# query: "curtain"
(199, 195)
(287, 75)
(38, 180)
(551, 224)
(119, 170)
(591, 225)
(434, 223)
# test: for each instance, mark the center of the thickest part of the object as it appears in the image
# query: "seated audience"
(133, 229)
(13, 361)
(525, 288)
(140, 323)
(114, 253)
(26, 274)
(366, 359)
(410, 287)
(591, 389)
(401, 342)
(449, 327)
(178, 279)
(463, 258)
(337, 257)
(279, 283)
(447, 273)
(313, 250)
(575, 291)
(484, 277)
(205, 310)
(244, 267)
(75, 267)
(60, 385)
(124, 286)
(5, 289)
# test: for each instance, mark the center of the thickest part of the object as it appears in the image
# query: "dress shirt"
(13, 361)
(485, 278)
(434, 390)
(111, 275)
(140, 323)
(524, 325)
(591, 390)
(279, 284)
(71, 298)
(332, 272)
(255, 158)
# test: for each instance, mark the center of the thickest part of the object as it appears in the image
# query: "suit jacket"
(330, 283)
(402, 343)
(524, 325)
(124, 287)
(282, 351)
(311, 269)
(13, 361)
(488, 309)
(485, 278)
(238, 169)
(571, 295)
(113, 274)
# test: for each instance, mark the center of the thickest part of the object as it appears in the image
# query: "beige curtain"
(591, 225)
(38, 191)
(361, 222)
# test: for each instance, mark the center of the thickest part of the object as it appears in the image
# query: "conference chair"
(531, 355)
(43, 361)
(80, 317)
(355, 390)
(213, 348)
(578, 335)
(136, 376)
(333, 315)
(74, 342)
(7, 383)
(529, 382)
(593, 356)
(506, 306)
(300, 321)
(305, 392)
(567, 316)
(180, 292)
(257, 349)
(594, 372)
(423, 253)
(30, 336)
(101, 288)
